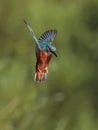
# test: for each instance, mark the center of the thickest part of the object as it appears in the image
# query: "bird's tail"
(41, 75)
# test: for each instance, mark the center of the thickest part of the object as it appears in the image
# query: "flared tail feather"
(40, 77)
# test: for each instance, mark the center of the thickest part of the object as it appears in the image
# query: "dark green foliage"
(90, 15)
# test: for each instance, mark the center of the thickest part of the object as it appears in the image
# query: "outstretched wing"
(48, 36)
(32, 33)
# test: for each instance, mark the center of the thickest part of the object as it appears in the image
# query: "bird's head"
(51, 48)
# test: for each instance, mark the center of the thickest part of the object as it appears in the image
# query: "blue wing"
(33, 35)
(48, 36)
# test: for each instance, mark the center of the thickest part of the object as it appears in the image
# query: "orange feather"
(42, 65)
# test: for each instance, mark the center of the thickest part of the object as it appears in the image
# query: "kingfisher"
(44, 51)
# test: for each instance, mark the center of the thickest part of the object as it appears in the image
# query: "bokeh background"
(68, 100)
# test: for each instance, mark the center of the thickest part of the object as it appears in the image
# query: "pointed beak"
(53, 52)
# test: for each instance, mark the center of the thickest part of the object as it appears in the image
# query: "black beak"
(52, 51)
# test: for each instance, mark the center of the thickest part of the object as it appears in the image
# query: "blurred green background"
(68, 100)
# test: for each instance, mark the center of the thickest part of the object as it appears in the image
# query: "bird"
(44, 51)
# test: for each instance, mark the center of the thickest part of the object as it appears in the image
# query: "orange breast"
(42, 64)
(45, 57)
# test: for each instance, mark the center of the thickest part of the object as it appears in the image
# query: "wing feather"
(48, 36)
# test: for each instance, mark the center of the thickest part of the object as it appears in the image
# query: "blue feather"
(45, 40)
(48, 36)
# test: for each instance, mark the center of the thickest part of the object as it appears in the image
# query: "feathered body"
(44, 51)
(43, 60)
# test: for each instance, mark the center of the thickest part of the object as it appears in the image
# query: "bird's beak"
(53, 52)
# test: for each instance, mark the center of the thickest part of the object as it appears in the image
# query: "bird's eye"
(47, 49)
